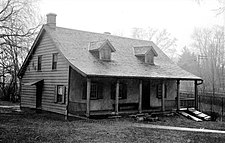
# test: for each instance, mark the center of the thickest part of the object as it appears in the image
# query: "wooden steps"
(190, 116)
(194, 114)
(199, 114)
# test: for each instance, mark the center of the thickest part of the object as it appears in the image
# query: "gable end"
(31, 52)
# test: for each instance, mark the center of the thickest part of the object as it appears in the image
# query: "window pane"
(59, 98)
(55, 57)
(60, 90)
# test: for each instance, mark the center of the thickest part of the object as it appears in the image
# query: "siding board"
(51, 78)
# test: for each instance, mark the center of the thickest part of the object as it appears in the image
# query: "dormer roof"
(98, 45)
(143, 50)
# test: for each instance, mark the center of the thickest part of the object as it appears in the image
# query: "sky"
(178, 17)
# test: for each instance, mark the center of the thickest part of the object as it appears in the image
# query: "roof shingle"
(74, 46)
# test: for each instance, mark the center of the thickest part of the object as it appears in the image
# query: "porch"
(170, 105)
(114, 95)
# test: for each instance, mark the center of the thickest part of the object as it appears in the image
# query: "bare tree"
(210, 45)
(18, 25)
(161, 38)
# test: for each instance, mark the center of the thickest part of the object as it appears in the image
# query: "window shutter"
(84, 86)
(100, 90)
(64, 94)
(165, 96)
(124, 90)
(55, 94)
(113, 91)
(159, 91)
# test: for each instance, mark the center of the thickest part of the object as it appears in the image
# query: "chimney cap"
(53, 14)
(107, 33)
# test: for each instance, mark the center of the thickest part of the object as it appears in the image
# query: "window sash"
(94, 91)
(59, 98)
(60, 93)
(54, 61)
(39, 63)
(105, 54)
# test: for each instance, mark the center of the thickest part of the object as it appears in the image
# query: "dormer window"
(105, 54)
(102, 49)
(145, 53)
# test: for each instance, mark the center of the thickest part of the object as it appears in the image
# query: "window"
(159, 91)
(122, 91)
(105, 54)
(96, 91)
(60, 94)
(39, 63)
(149, 59)
(54, 61)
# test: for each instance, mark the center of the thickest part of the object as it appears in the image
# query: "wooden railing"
(184, 103)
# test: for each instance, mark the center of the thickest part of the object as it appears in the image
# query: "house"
(77, 72)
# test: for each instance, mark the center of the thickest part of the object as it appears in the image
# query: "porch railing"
(184, 103)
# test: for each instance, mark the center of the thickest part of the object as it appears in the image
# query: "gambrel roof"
(74, 46)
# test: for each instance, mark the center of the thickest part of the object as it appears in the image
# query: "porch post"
(163, 95)
(117, 97)
(88, 97)
(196, 94)
(178, 95)
(140, 97)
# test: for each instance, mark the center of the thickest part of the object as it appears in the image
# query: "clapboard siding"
(45, 48)
(28, 96)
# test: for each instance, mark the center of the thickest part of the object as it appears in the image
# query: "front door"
(39, 88)
(145, 95)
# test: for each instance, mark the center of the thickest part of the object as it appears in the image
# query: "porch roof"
(34, 82)
(73, 44)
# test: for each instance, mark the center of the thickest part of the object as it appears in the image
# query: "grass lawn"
(49, 127)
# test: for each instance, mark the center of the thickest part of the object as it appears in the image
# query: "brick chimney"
(51, 20)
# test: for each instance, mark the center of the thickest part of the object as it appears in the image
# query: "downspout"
(68, 93)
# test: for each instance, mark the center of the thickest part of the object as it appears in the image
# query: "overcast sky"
(179, 17)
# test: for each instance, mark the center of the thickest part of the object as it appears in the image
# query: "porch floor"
(110, 112)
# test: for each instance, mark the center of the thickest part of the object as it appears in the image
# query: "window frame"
(39, 63)
(105, 54)
(149, 58)
(98, 91)
(94, 91)
(62, 94)
(54, 61)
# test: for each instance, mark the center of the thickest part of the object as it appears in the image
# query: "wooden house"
(77, 72)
